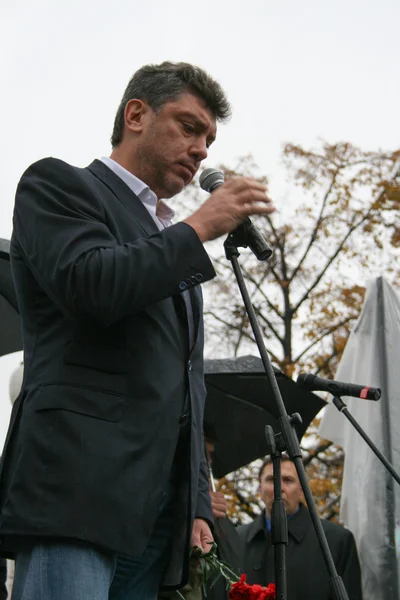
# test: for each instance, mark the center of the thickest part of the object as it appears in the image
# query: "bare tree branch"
(323, 334)
(329, 262)
(322, 447)
(258, 285)
(269, 324)
(317, 225)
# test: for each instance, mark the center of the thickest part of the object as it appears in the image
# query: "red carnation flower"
(240, 589)
(243, 591)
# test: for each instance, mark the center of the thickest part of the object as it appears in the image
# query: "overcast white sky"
(294, 71)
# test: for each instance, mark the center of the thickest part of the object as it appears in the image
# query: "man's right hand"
(228, 206)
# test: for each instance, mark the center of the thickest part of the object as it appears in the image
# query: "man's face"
(292, 492)
(173, 142)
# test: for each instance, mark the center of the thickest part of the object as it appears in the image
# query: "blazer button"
(183, 286)
(193, 279)
(189, 365)
(257, 566)
(199, 277)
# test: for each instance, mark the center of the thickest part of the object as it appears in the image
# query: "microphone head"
(210, 179)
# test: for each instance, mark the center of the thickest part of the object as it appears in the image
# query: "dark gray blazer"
(108, 366)
(307, 575)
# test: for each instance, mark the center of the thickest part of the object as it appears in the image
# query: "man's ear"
(135, 114)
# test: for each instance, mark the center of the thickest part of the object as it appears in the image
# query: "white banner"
(370, 496)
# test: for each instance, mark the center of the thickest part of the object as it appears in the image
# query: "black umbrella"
(10, 325)
(240, 404)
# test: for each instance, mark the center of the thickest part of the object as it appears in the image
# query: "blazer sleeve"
(61, 229)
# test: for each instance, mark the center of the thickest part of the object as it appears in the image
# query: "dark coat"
(307, 575)
(107, 366)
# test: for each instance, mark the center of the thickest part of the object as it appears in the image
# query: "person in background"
(307, 575)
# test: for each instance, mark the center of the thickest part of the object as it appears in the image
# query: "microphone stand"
(287, 434)
(342, 407)
(279, 527)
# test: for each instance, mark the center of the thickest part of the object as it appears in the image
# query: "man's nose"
(199, 149)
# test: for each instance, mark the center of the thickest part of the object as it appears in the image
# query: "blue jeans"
(65, 571)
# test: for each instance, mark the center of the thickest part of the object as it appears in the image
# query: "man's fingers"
(218, 501)
(228, 206)
(201, 535)
(247, 191)
(206, 544)
(259, 209)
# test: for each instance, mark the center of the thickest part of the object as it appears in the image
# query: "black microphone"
(337, 388)
(248, 233)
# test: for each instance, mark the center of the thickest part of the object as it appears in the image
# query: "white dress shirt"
(161, 213)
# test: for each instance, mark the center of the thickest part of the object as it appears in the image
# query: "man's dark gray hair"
(158, 84)
(268, 461)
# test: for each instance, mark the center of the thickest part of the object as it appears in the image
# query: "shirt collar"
(268, 520)
(159, 210)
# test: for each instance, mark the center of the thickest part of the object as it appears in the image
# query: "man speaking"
(103, 484)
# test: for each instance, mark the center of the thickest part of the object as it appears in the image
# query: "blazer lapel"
(124, 195)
